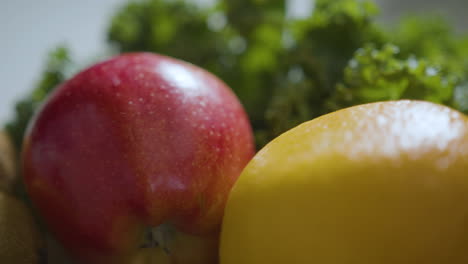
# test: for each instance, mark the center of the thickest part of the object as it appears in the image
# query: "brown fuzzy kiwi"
(7, 163)
(20, 239)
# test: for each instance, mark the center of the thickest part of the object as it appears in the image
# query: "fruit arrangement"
(143, 158)
(133, 161)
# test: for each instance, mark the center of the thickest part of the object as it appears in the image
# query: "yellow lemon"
(381, 183)
(19, 238)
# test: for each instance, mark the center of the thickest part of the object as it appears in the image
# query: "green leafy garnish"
(287, 70)
(55, 73)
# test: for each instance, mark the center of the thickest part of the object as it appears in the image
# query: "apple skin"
(136, 141)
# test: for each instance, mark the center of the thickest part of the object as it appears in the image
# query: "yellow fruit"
(381, 183)
(19, 238)
(7, 162)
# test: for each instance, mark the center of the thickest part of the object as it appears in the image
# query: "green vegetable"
(324, 43)
(432, 38)
(55, 72)
(288, 70)
(379, 75)
(282, 69)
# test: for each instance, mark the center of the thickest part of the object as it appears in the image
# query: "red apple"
(138, 141)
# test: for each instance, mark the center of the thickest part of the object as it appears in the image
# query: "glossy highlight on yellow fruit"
(380, 183)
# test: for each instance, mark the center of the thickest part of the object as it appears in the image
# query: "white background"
(30, 28)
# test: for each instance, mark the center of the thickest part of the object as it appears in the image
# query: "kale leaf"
(286, 70)
(56, 70)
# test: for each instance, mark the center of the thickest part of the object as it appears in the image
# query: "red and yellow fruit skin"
(136, 141)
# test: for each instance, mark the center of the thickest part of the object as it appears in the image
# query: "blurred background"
(31, 28)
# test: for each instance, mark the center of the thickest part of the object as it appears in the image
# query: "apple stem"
(158, 237)
(180, 247)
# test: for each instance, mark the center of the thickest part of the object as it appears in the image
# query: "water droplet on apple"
(115, 81)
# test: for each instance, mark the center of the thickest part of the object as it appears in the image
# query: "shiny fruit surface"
(137, 141)
(380, 183)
